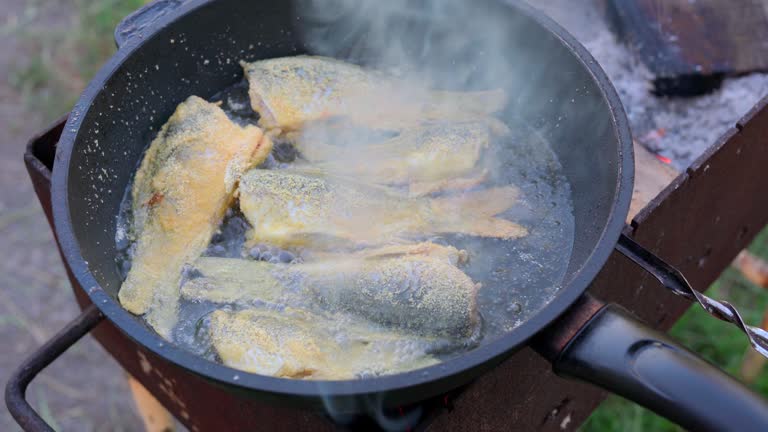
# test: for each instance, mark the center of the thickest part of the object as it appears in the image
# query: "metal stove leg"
(15, 390)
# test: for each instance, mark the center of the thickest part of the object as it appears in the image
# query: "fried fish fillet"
(447, 254)
(289, 208)
(429, 153)
(295, 344)
(420, 294)
(289, 92)
(185, 183)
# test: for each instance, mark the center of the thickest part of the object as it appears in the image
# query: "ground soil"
(84, 390)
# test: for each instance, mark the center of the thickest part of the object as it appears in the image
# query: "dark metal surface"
(671, 278)
(38, 158)
(134, 25)
(16, 388)
(621, 354)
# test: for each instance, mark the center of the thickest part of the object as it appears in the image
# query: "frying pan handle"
(621, 354)
(15, 390)
(134, 24)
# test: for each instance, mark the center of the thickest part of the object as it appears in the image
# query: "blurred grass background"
(62, 62)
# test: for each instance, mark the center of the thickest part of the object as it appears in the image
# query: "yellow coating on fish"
(296, 344)
(290, 208)
(185, 184)
(289, 92)
(447, 254)
(421, 294)
(429, 153)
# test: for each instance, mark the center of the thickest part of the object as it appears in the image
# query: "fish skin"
(419, 294)
(184, 185)
(290, 92)
(290, 208)
(296, 344)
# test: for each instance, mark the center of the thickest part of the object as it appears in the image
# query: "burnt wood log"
(690, 46)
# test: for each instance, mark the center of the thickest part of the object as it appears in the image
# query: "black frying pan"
(169, 50)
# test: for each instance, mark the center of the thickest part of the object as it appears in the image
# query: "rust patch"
(144, 363)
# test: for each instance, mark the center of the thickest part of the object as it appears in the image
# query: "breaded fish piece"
(292, 209)
(185, 183)
(447, 254)
(289, 92)
(422, 188)
(424, 295)
(296, 344)
(429, 153)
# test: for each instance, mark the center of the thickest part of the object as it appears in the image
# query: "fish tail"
(474, 213)
(487, 227)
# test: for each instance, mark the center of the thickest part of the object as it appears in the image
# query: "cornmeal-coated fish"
(296, 344)
(185, 183)
(290, 92)
(430, 153)
(289, 208)
(447, 254)
(424, 295)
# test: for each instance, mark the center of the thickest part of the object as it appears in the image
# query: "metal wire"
(671, 278)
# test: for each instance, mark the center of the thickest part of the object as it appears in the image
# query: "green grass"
(716, 341)
(63, 60)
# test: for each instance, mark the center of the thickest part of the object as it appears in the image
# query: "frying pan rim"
(443, 374)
